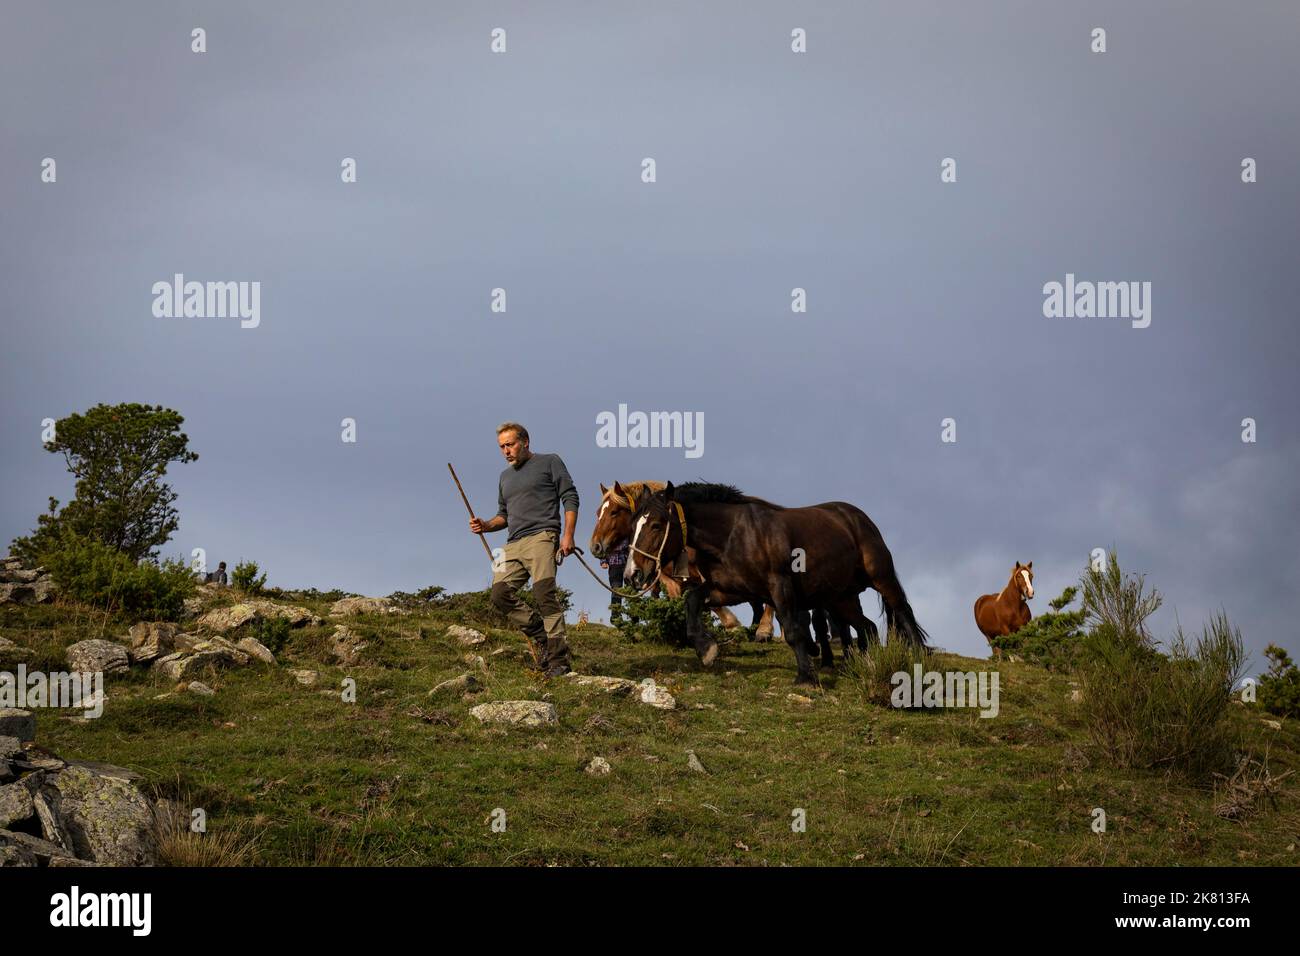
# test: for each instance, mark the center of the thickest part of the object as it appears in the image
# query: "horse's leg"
(795, 630)
(726, 618)
(705, 646)
(821, 630)
(763, 619)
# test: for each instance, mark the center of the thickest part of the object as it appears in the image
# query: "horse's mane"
(636, 487)
(708, 492)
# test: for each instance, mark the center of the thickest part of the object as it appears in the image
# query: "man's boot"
(537, 649)
(557, 658)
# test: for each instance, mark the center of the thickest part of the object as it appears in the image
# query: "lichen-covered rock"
(223, 619)
(184, 666)
(362, 605)
(25, 847)
(598, 767)
(15, 804)
(151, 640)
(98, 656)
(255, 649)
(306, 678)
(656, 696)
(466, 635)
(517, 713)
(618, 686)
(108, 819)
(200, 688)
(296, 616)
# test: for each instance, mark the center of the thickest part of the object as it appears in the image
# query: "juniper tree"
(119, 455)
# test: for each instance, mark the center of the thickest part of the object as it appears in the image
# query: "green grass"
(313, 780)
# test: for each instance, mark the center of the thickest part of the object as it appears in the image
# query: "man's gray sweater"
(529, 497)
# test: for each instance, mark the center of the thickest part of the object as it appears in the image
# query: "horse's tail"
(899, 616)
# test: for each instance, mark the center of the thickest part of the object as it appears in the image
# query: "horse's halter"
(657, 557)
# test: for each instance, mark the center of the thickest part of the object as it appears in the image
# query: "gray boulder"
(98, 656)
(151, 640)
(255, 649)
(464, 684)
(517, 713)
(108, 819)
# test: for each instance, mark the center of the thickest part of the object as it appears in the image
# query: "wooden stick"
(470, 510)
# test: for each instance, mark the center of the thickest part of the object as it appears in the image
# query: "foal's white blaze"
(604, 506)
(1029, 585)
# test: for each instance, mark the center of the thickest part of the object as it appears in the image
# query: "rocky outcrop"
(517, 713)
(223, 620)
(96, 656)
(363, 605)
(19, 585)
(56, 812)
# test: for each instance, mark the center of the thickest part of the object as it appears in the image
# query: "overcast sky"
(775, 170)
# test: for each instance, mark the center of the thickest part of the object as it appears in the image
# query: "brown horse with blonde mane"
(997, 615)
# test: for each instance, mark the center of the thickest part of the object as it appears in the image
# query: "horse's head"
(1022, 579)
(656, 535)
(613, 519)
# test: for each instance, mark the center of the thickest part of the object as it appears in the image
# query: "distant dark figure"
(216, 577)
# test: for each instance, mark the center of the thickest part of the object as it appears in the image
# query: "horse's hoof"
(805, 680)
(762, 636)
(710, 654)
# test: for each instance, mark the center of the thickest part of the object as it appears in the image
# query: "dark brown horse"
(748, 549)
(997, 615)
(614, 525)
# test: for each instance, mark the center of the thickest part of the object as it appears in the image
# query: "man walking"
(529, 496)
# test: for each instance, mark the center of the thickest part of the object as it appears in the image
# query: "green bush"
(871, 672)
(1279, 689)
(272, 632)
(1051, 640)
(93, 573)
(245, 578)
(1147, 709)
(661, 620)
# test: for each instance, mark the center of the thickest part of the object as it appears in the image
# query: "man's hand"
(567, 547)
(476, 526)
(604, 564)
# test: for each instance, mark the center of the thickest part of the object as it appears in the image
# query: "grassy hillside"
(397, 778)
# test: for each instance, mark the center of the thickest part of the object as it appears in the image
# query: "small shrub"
(91, 572)
(1143, 708)
(1279, 689)
(245, 578)
(272, 632)
(1051, 640)
(659, 620)
(872, 671)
